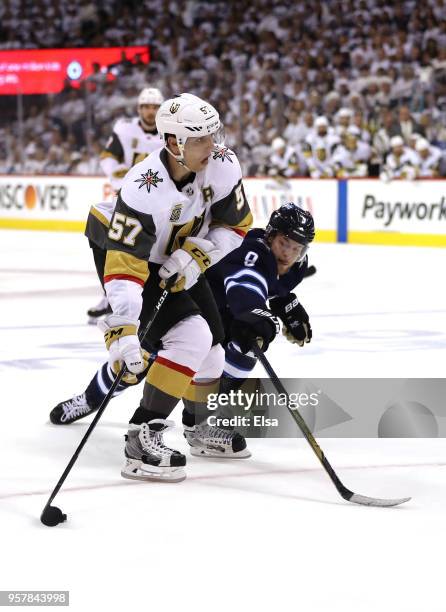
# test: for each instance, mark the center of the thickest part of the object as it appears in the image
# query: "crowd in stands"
(310, 88)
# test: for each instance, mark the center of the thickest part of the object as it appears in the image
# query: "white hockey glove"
(194, 258)
(122, 342)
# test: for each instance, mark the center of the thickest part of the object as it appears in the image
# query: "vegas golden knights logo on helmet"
(174, 107)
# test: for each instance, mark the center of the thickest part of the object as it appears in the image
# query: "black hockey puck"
(52, 516)
(310, 271)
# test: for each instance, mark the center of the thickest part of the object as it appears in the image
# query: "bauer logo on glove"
(296, 322)
(289, 307)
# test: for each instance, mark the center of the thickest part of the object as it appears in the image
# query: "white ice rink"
(267, 533)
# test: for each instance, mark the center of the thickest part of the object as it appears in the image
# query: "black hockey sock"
(155, 404)
(193, 412)
(228, 384)
(142, 415)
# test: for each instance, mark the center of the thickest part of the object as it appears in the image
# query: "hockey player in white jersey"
(321, 131)
(178, 212)
(285, 161)
(343, 119)
(350, 159)
(131, 141)
(320, 163)
(401, 162)
(429, 159)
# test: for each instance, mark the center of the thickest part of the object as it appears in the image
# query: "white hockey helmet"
(422, 144)
(187, 116)
(321, 121)
(150, 95)
(278, 143)
(344, 112)
(396, 141)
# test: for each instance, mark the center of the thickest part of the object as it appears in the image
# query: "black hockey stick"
(346, 493)
(51, 515)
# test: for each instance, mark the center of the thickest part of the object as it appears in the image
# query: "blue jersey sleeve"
(247, 275)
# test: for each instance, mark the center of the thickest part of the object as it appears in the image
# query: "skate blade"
(215, 454)
(172, 476)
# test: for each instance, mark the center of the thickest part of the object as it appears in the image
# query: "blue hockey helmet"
(293, 222)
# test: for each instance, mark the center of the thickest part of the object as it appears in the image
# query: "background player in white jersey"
(351, 158)
(321, 131)
(401, 162)
(320, 163)
(343, 119)
(285, 160)
(178, 212)
(131, 141)
(429, 159)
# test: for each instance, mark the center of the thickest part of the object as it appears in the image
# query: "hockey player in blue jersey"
(264, 269)
(252, 287)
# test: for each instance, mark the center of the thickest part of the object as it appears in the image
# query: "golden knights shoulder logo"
(174, 107)
(149, 179)
(176, 213)
(222, 153)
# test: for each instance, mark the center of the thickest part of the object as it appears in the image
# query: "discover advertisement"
(56, 203)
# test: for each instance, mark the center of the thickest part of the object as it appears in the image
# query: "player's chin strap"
(178, 158)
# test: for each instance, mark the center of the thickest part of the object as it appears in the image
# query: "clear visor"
(287, 250)
(303, 252)
(216, 139)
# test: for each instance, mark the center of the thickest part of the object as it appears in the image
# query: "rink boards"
(364, 211)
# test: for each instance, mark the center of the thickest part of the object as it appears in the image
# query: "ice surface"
(266, 533)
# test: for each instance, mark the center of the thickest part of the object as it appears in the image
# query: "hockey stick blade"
(355, 498)
(363, 500)
(348, 495)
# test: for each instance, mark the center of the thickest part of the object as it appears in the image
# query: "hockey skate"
(96, 312)
(207, 441)
(71, 410)
(148, 458)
